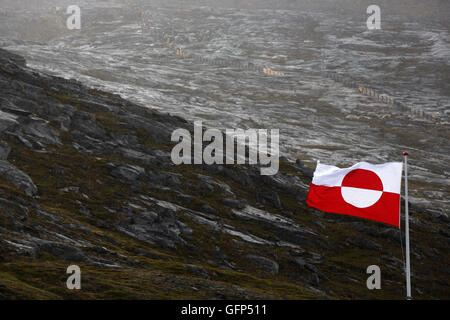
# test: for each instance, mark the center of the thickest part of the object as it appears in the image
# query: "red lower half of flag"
(330, 199)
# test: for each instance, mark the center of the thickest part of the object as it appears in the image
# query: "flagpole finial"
(405, 153)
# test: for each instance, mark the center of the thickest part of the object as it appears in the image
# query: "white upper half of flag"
(390, 174)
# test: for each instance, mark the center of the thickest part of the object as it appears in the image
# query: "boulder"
(126, 172)
(21, 180)
(63, 251)
(4, 150)
(269, 197)
(233, 203)
(198, 271)
(265, 264)
(7, 120)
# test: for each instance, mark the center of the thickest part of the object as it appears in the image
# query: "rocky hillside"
(87, 179)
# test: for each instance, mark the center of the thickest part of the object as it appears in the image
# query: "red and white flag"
(364, 190)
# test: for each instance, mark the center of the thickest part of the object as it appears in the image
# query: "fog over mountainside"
(86, 118)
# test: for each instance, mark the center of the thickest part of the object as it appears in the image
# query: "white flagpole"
(408, 268)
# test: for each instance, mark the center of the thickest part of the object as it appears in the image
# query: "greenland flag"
(364, 190)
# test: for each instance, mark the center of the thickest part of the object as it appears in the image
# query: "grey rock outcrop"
(20, 179)
(4, 150)
(264, 263)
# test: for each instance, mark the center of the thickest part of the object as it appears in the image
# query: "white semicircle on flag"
(360, 198)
